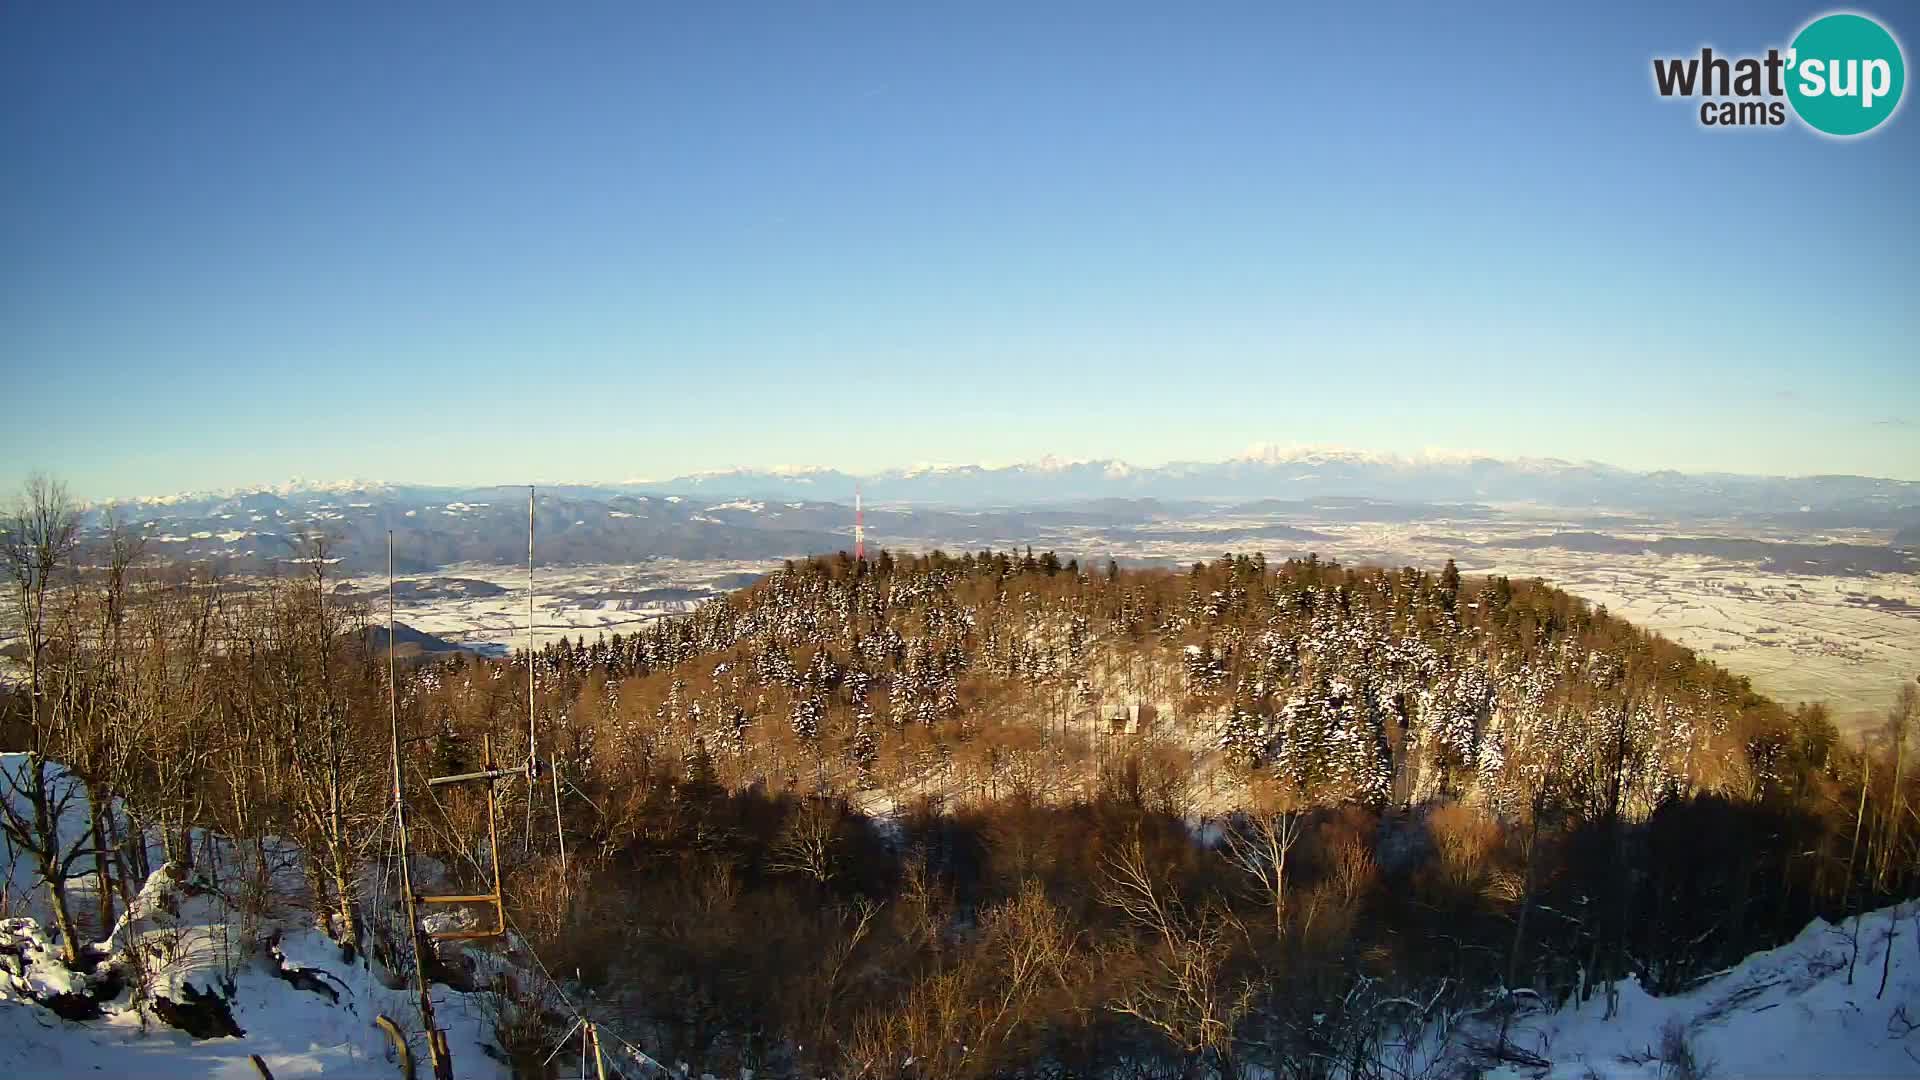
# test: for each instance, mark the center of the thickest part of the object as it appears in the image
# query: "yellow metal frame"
(488, 775)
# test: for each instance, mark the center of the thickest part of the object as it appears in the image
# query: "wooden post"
(436, 1045)
(493, 834)
(400, 1046)
(491, 775)
(1846, 894)
(599, 1061)
(560, 830)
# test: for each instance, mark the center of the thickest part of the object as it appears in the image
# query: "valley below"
(1822, 631)
(1822, 627)
(815, 767)
(1811, 602)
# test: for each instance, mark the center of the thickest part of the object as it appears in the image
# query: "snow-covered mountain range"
(759, 513)
(1263, 471)
(436, 526)
(1268, 471)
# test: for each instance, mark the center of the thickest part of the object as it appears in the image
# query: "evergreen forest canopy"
(986, 814)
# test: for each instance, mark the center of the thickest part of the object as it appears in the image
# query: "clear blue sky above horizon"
(505, 242)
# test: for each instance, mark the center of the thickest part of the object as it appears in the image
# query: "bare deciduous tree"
(1180, 988)
(982, 1015)
(807, 842)
(1259, 842)
(36, 542)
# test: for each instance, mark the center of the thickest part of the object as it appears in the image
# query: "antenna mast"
(436, 1039)
(533, 745)
(531, 755)
(859, 529)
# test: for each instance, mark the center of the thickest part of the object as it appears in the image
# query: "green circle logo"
(1845, 74)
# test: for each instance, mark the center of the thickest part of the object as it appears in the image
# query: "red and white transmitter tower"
(859, 529)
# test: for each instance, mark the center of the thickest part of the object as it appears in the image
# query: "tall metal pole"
(530, 747)
(442, 1061)
(560, 829)
(533, 748)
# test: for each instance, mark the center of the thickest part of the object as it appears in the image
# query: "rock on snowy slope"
(195, 978)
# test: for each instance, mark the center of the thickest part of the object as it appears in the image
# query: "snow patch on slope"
(1790, 1011)
(260, 969)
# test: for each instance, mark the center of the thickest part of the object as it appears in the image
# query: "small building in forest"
(1121, 718)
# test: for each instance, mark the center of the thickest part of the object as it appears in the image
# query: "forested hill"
(988, 815)
(1367, 685)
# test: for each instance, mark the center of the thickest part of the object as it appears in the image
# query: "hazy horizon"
(489, 473)
(491, 478)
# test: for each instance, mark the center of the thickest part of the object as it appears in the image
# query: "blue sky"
(478, 242)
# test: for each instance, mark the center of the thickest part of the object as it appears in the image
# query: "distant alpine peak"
(1261, 471)
(935, 468)
(1266, 453)
(1052, 463)
(292, 486)
(299, 485)
(1258, 454)
(790, 472)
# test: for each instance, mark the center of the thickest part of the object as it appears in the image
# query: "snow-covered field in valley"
(1809, 613)
(1845, 639)
(1818, 629)
(484, 607)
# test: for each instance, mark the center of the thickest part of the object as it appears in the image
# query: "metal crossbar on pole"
(487, 775)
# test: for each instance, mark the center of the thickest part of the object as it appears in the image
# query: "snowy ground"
(569, 601)
(1788, 1012)
(201, 934)
(1811, 1008)
(296, 1032)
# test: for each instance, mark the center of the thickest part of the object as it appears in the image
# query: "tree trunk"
(1890, 835)
(44, 843)
(62, 914)
(1520, 923)
(343, 898)
(1886, 958)
(1280, 894)
(1846, 895)
(133, 845)
(317, 895)
(179, 845)
(103, 875)
(123, 872)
